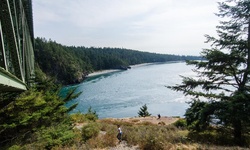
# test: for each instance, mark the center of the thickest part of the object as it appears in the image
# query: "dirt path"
(124, 146)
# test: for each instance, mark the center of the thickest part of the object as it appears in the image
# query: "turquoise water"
(121, 94)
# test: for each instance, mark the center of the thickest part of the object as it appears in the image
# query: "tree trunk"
(247, 72)
(237, 124)
(237, 131)
(248, 47)
(248, 40)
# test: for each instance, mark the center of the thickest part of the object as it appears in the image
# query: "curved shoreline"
(100, 72)
(95, 73)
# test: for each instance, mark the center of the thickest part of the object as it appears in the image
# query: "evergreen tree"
(223, 80)
(36, 111)
(143, 112)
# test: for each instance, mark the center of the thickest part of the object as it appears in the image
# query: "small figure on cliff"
(159, 116)
(119, 135)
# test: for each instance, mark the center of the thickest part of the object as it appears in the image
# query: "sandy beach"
(100, 72)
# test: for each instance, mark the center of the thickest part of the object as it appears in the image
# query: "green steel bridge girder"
(9, 82)
(16, 45)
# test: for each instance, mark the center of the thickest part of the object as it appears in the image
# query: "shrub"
(153, 143)
(90, 130)
(181, 123)
(55, 136)
(103, 140)
(14, 147)
(91, 115)
(132, 134)
(78, 117)
(154, 138)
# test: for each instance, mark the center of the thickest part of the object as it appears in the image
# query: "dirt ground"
(164, 120)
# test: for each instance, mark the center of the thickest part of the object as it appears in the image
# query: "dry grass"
(141, 120)
(143, 133)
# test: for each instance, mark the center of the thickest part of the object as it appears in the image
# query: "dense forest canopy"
(70, 64)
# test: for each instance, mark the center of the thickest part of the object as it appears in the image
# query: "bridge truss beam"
(16, 45)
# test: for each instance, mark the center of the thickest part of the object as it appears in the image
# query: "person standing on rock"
(119, 135)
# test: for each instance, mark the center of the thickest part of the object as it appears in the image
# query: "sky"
(158, 26)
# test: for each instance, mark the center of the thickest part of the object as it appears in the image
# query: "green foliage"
(91, 115)
(14, 147)
(181, 123)
(29, 112)
(199, 115)
(80, 118)
(217, 136)
(143, 112)
(56, 62)
(44, 82)
(56, 135)
(90, 130)
(223, 79)
(23, 114)
(69, 65)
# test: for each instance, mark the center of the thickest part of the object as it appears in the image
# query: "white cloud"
(164, 26)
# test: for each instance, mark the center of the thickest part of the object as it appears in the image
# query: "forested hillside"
(70, 64)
